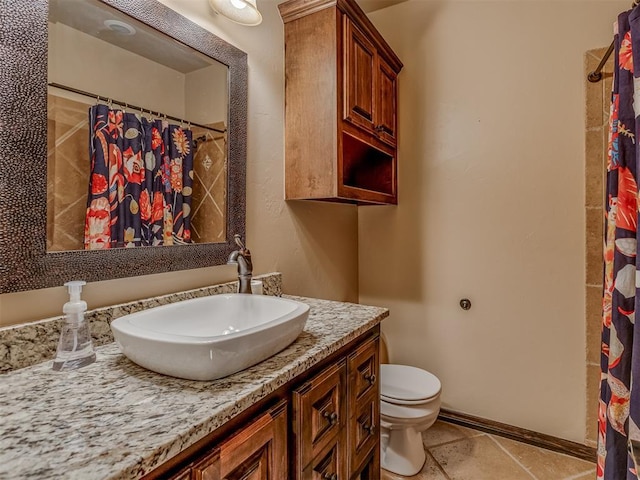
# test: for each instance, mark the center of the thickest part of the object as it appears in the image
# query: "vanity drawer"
(363, 371)
(319, 412)
(329, 464)
(363, 430)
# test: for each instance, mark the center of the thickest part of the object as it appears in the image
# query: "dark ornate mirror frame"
(25, 263)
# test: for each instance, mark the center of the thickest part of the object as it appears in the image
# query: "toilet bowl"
(409, 404)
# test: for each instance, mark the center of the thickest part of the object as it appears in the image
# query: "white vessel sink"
(210, 337)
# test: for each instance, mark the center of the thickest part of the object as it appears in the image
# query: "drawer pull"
(370, 428)
(330, 476)
(332, 417)
(371, 378)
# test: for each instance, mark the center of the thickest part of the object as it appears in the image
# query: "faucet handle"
(238, 238)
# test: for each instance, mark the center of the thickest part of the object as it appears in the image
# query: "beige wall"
(313, 245)
(491, 175)
(205, 93)
(141, 81)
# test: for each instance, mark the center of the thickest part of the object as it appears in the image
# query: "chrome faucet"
(242, 258)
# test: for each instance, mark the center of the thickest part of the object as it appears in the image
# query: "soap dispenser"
(75, 348)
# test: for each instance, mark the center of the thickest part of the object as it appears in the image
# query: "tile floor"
(459, 453)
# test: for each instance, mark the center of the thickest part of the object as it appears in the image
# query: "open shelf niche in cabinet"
(341, 105)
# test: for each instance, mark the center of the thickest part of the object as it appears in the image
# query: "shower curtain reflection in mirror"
(69, 171)
(140, 183)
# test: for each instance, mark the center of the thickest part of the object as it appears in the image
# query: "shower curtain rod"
(596, 75)
(133, 107)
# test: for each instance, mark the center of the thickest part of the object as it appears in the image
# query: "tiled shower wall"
(209, 200)
(596, 140)
(68, 173)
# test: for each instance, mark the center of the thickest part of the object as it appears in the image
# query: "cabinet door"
(386, 106)
(319, 413)
(207, 468)
(257, 452)
(363, 371)
(329, 464)
(370, 469)
(364, 404)
(363, 431)
(359, 77)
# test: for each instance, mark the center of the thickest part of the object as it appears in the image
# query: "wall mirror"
(124, 142)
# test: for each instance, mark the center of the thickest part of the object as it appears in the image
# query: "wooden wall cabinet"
(322, 425)
(370, 86)
(341, 105)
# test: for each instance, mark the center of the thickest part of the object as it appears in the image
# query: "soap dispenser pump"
(75, 348)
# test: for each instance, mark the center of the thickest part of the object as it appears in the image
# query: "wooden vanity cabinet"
(341, 105)
(335, 419)
(256, 451)
(322, 425)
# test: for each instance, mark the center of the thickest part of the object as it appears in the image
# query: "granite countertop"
(116, 420)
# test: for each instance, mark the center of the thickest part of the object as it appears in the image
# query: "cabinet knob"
(370, 377)
(332, 417)
(379, 129)
(370, 428)
(330, 476)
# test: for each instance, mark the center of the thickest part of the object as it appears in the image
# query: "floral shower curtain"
(141, 181)
(619, 405)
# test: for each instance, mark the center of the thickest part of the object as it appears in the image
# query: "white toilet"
(409, 404)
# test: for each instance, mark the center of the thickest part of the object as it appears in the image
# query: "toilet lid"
(403, 382)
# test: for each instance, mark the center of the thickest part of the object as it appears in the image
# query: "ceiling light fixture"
(244, 12)
(120, 27)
